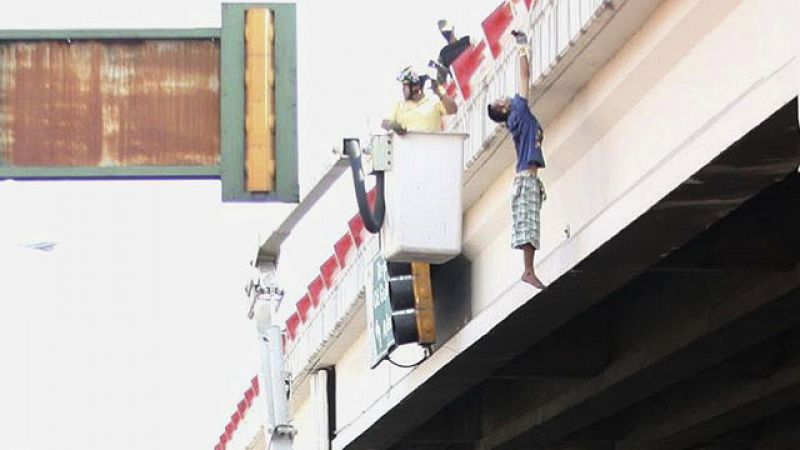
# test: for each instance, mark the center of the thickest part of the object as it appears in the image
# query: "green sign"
(379, 311)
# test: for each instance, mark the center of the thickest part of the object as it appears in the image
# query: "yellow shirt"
(425, 115)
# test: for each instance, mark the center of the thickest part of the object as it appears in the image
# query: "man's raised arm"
(523, 65)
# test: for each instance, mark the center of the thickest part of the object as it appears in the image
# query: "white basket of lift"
(423, 197)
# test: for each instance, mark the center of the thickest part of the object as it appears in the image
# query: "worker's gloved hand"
(520, 37)
(397, 128)
(437, 88)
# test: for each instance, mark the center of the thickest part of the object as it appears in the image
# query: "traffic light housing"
(411, 301)
(258, 102)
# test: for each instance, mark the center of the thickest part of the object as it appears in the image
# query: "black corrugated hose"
(373, 220)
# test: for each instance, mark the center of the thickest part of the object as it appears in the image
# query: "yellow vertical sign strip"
(423, 302)
(259, 100)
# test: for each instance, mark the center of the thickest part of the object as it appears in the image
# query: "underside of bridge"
(682, 332)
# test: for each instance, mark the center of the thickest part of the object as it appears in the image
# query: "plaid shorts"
(527, 195)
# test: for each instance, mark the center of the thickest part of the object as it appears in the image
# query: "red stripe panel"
(218, 447)
(466, 65)
(344, 248)
(316, 290)
(495, 27)
(450, 89)
(291, 325)
(356, 225)
(255, 386)
(529, 3)
(329, 269)
(229, 429)
(303, 305)
(235, 419)
(241, 408)
(224, 438)
(249, 395)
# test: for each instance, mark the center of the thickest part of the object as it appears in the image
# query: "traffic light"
(411, 301)
(259, 100)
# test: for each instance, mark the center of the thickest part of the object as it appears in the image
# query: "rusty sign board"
(147, 103)
(100, 104)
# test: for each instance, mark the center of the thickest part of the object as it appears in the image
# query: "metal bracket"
(283, 429)
(263, 286)
(380, 147)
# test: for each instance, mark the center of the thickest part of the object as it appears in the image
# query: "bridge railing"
(553, 28)
(334, 309)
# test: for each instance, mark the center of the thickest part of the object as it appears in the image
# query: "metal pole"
(266, 298)
(319, 396)
(278, 376)
(265, 295)
(265, 374)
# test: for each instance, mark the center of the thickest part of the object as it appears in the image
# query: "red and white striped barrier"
(240, 417)
(344, 251)
(472, 66)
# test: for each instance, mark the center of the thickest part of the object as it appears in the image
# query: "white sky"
(132, 334)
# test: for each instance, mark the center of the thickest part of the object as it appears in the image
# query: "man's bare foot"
(533, 280)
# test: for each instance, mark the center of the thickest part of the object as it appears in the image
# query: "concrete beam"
(581, 348)
(666, 303)
(436, 446)
(661, 359)
(780, 432)
(765, 154)
(585, 444)
(458, 423)
(694, 413)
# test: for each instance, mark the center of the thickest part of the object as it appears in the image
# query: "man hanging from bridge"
(527, 193)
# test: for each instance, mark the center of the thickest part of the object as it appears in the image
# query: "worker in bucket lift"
(417, 112)
(527, 192)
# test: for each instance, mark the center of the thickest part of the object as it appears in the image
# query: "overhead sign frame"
(230, 168)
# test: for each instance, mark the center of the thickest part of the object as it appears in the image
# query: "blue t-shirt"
(527, 134)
